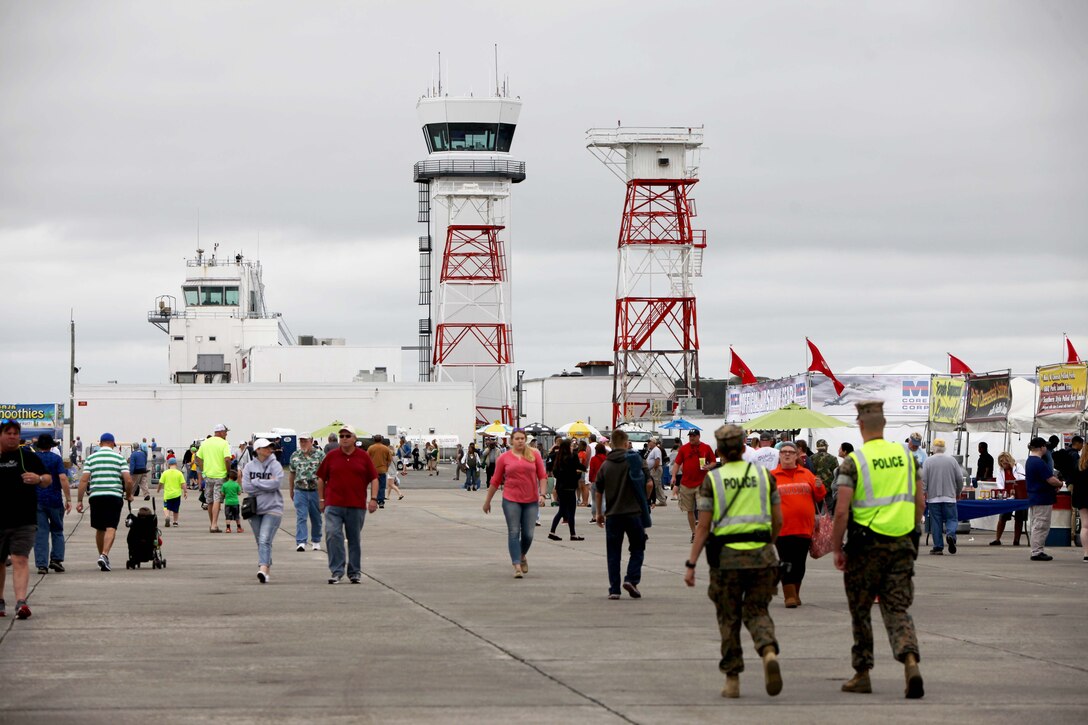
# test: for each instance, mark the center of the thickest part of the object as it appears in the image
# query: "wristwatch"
(688, 564)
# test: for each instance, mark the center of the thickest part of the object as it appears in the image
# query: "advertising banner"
(744, 402)
(1062, 388)
(989, 398)
(904, 396)
(946, 400)
(34, 418)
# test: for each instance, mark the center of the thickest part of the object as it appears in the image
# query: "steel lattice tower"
(656, 342)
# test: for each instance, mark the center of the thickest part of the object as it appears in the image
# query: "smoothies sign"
(31, 416)
(1062, 388)
(946, 400)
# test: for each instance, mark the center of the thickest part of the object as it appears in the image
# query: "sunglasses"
(346, 435)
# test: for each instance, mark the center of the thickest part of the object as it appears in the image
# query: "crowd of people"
(751, 502)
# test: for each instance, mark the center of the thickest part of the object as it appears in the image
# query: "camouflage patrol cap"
(729, 433)
(821, 445)
(870, 411)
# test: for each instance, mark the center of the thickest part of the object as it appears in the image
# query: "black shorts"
(16, 542)
(106, 512)
(172, 505)
(1021, 515)
(232, 513)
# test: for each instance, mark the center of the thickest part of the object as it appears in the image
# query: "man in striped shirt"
(105, 473)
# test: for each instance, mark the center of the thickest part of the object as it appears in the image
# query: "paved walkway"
(439, 631)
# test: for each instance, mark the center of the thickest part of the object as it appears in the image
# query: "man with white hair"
(942, 477)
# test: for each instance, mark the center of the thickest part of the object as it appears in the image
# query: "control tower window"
(469, 136)
(192, 296)
(211, 296)
(231, 296)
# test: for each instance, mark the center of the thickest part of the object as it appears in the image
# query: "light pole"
(520, 412)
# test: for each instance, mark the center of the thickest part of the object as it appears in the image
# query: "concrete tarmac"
(440, 631)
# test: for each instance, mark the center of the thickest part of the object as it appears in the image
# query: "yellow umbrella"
(578, 429)
(498, 428)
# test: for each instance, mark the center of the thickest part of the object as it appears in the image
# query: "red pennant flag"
(957, 366)
(738, 368)
(1071, 354)
(819, 365)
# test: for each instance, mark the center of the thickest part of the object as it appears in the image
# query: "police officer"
(880, 504)
(739, 518)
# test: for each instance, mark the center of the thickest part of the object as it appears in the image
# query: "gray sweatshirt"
(263, 480)
(943, 477)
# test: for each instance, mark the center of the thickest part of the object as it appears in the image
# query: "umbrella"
(334, 427)
(680, 424)
(578, 429)
(793, 417)
(498, 428)
(539, 429)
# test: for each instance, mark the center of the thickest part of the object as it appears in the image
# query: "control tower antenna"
(656, 342)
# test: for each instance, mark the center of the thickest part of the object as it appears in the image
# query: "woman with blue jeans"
(262, 478)
(520, 471)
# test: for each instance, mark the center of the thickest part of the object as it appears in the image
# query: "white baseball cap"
(262, 443)
(220, 428)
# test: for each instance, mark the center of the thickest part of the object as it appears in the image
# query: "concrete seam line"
(502, 649)
(4, 634)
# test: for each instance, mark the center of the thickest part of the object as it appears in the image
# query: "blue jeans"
(306, 509)
(50, 526)
(943, 522)
(381, 489)
(472, 479)
(520, 525)
(341, 521)
(264, 528)
(615, 527)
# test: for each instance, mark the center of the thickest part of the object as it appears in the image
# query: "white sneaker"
(262, 577)
(316, 547)
(300, 547)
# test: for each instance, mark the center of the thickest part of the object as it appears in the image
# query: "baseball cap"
(171, 461)
(1037, 442)
(262, 443)
(692, 432)
(107, 438)
(305, 436)
(348, 428)
(220, 428)
(766, 436)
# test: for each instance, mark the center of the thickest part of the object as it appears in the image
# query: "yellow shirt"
(214, 452)
(172, 482)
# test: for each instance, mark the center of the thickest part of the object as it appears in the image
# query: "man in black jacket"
(622, 515)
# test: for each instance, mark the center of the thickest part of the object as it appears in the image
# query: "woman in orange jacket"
(800, 491)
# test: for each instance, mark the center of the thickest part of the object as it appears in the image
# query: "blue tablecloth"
(967, 509)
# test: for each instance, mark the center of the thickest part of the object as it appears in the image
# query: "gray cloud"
(894, 179)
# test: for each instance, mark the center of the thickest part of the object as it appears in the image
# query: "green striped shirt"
(105, 466)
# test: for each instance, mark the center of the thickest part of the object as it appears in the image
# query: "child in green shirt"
(231, 489)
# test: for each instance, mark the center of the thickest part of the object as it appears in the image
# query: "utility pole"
(72, 384)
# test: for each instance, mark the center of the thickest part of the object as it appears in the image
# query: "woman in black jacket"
(568, 470)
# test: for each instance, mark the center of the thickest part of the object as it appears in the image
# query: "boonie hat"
(220, 428)
(45, 442)
(262, 443)
(107, 438)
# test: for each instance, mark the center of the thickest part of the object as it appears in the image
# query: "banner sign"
(903, 395)
(744, 402)
(946, 399)
(989, 398)
(1063, 388)
(42, 417)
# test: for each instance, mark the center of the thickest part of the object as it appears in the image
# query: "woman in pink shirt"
(521, 473)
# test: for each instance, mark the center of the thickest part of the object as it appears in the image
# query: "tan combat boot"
(858, 683)
(913, 676)
(772, 675)
(789, 593)
(732, 686)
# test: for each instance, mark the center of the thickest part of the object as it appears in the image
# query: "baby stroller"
(144, 538)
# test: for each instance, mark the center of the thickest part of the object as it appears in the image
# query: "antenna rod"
(440, 74)
(72, 385)
(496, 69)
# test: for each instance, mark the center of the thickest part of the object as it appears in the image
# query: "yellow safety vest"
(742, 504)
(885, 490)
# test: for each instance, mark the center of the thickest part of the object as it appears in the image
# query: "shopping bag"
(821, 536)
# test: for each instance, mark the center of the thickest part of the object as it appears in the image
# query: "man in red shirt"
(693, 460)
(344, 478)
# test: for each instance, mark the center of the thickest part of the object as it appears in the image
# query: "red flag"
(957, 366)
(819, 365)
(1071, 354)
(738, 368)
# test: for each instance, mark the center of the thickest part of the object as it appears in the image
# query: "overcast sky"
(893, 179)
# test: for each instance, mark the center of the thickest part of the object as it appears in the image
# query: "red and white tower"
(464, 198)
(656, 342)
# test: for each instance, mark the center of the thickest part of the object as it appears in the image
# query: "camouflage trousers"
(742, 595)
(886, 568)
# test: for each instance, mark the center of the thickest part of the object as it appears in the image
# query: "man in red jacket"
(343, 480)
